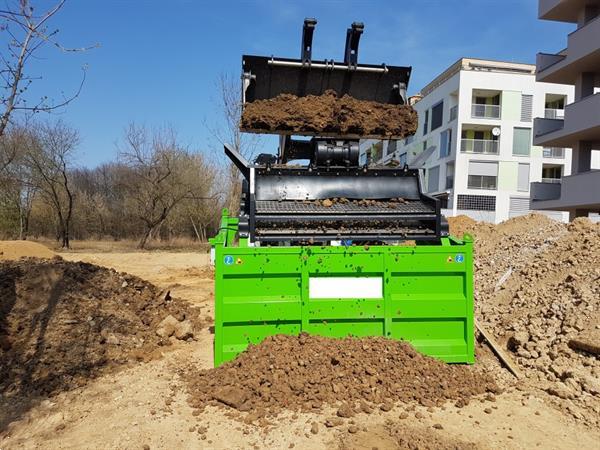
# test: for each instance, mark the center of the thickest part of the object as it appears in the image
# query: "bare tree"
(15, 177)
(228, 132)
(163, 174)
(49, 157)
(26, 31)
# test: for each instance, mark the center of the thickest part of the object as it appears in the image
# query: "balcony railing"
(482, 146)
(545, 60)
(551, 180)
(554, 152)
(553, 113)
(453, 112)
(485, 111)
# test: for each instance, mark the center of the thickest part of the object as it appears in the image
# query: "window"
(445, 143)
(437, 116)
(425, 122)
(482, 175)
(402, 159)
(526, 107)
(476, 202)
(377, 151)
(551, 173)
(523, 178)
(449, 176)
(453, 113)
(391, 147)
(433, 179)
(521, 141)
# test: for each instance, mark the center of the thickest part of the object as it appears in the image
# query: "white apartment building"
(579, 128)
(474, 141)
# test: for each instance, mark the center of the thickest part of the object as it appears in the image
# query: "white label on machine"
(345, 287)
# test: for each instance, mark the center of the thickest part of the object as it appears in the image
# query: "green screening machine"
(325, 245)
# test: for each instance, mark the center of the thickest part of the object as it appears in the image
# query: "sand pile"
(62, 323)
(19, 249)
(307, 372)
(328, 113)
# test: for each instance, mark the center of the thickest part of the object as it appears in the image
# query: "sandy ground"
(146, 405)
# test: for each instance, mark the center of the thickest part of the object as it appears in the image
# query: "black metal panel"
(302, 184)
(272, 80)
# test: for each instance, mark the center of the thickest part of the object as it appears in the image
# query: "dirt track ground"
(146, 405)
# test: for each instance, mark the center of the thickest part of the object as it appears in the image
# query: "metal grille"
(311, 207)
(477, 202)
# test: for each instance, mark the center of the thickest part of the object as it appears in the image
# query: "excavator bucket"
(267, 77)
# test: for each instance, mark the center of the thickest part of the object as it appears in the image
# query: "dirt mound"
(305, 372)
(328, 113)
(537, 287)
(10, 250)
(62, 323)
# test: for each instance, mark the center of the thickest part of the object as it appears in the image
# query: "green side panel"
(508, 173)
(511, 105)
(425, 295)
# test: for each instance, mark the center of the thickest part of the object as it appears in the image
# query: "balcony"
(485, 111)
(480, 146)
(544, 191)
(545, 60)
(581, 55)
(554, 152)
(581, 123)
(552, 113)
(560, 10)
(574, 191)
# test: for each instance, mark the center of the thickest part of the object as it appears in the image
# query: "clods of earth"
(352, 374)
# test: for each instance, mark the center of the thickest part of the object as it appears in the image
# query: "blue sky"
(159, 61)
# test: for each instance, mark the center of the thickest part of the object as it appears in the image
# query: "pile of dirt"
(328, 113)
(353, 374)
(62, 323)
(537, 288)
(10, 250)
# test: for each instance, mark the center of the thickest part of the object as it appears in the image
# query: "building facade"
(579, 127)
(474, 141)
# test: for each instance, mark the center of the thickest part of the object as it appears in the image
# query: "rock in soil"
(328, 113)
(300, 372)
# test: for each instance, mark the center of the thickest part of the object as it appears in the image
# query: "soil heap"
(306, 372)
(537, 288)
(20, 249)
(62, 323)
(328, 113)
